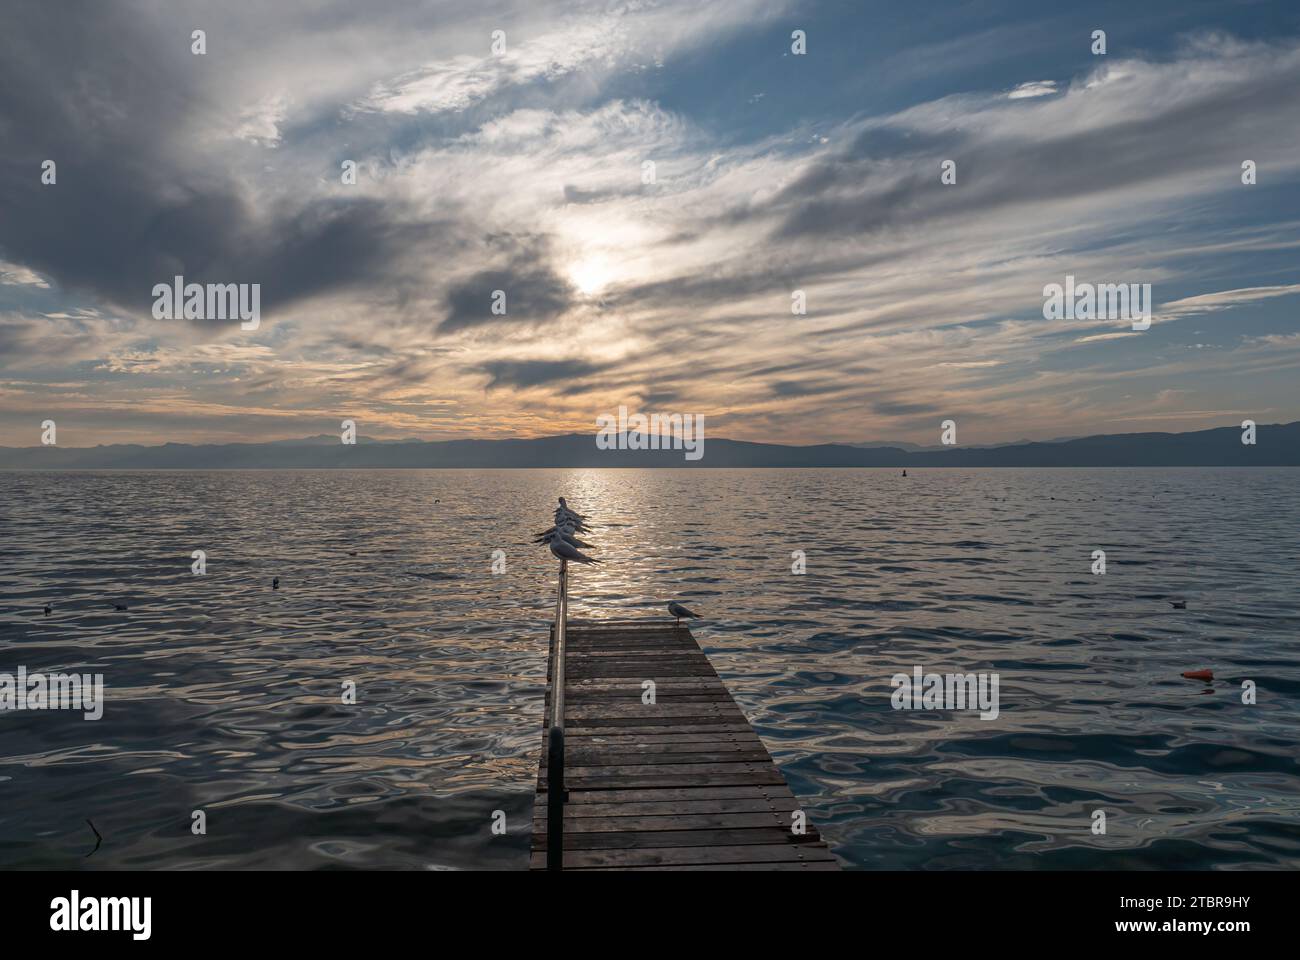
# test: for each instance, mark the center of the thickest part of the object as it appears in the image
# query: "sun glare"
(590, 276)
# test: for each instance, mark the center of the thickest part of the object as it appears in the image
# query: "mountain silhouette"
(1276, 445)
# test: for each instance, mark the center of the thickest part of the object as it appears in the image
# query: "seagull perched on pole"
(678, 611)
(563, 550)
(564, 523)
(568, 515)
(564, 533)
(564, 508)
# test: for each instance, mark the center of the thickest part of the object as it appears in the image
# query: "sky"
(520, 161)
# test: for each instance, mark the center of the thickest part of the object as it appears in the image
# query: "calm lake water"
(223, 695)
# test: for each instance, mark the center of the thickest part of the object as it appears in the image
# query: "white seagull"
(561, 549)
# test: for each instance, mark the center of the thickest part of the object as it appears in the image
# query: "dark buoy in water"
(904, 473)
(48, 609)
(275, 583)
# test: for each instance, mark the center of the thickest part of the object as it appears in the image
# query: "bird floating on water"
(117, 606)
(678, 611)
(48, 609)
(1178, 604)
(275, 583)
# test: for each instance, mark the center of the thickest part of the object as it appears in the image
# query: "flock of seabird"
(563, 540)
(562, 537)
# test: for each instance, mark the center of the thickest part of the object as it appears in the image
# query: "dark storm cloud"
(115, 100)
(535, 295)
(522, 374)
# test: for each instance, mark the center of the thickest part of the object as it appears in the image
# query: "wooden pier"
(682, 783)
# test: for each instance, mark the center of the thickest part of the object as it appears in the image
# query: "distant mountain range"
(1276, 445)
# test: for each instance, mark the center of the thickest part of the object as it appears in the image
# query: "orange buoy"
(1206, 675)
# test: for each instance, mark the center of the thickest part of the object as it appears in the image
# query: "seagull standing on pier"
(678, 611)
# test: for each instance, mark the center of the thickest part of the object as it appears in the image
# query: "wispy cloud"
(1033, 88)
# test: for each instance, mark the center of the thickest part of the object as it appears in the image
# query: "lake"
(224, 695)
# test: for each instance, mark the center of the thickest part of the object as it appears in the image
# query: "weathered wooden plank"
(699, 745)
(672, 808)
(717, 768)
(781, 821)
(662, 695)
(660, 839)
(581, 687)
(582, 758)
(687, 856)
(602, 748)
(679, 794)
(600, 777)
(649, 710)
(814, 865)
(614, 739)
(698, 725)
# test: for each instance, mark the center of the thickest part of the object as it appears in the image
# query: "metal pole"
(555, 744)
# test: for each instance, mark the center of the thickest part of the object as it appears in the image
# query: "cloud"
(1161, 131)
(1097, 337)
(13, 275)
(260, 124)
(1225, 300)
(523, 374)
(581, 40)
(1034, 88)
(533, 294)
(461, 81)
